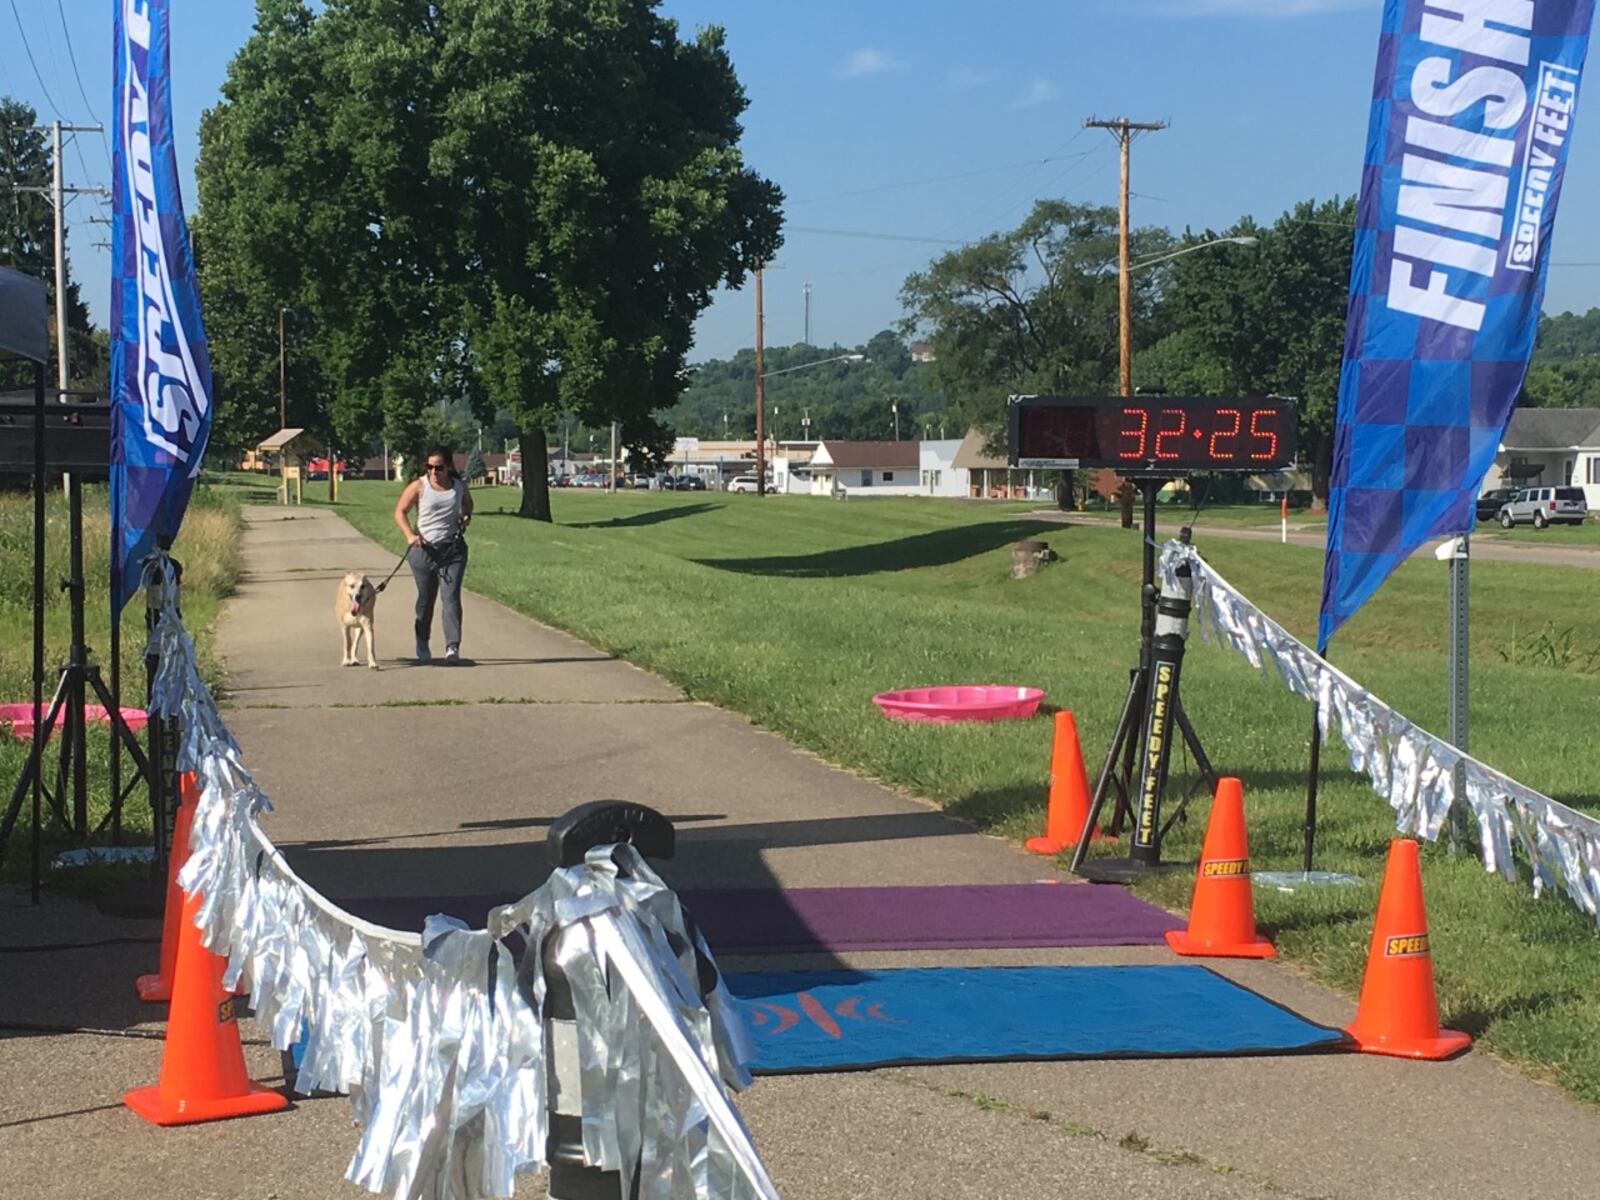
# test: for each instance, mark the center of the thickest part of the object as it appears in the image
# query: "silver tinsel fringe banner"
(1414, 770)
(437, 1037)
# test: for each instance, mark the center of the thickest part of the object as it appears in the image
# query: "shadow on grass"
(936, 548)
(653, 516)
(987, 809)
(1476, 1019)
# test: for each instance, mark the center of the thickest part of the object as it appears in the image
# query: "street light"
(761, 456)
(1126, 338)
(1226, 241)
(821, 362)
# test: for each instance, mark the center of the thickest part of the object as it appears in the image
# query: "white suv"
(745, 483)
(1545, 506)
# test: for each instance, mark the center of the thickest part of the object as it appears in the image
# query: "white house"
(939, 475)
(866, 469)
(1551, 447)
(989, 477)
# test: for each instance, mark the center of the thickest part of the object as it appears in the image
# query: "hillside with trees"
(842, 399)
(1565, 371)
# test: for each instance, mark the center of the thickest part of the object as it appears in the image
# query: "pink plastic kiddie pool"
(18, 718)
(987, 702)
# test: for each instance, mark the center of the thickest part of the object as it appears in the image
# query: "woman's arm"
(408, 501)
(466, 503)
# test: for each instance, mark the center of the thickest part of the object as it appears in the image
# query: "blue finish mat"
(847, 1020)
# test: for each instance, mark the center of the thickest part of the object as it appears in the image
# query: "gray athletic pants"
(432, 566)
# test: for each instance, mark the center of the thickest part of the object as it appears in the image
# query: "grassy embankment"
(796, 611)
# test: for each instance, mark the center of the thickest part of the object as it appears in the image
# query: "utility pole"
(61, 269)
(59, 191)
(761, 454)
(611, 483)
(808, 313)
(1125, 131)
(283, 378)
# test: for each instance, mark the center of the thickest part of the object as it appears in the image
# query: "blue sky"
(849, 101)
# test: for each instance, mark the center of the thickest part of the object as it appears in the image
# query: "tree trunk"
(1321, 470)
(535, 475)
(1065, 492)
(1125, 494)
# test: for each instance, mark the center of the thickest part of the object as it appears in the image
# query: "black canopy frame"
(25, 336)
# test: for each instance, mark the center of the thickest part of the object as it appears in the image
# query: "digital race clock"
(1153, 435)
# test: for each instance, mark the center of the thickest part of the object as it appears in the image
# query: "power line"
(82, 91)
(1033, 190)
(911, 183)
(15, 16)
(879, 237)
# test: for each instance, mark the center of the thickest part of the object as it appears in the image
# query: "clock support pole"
(1152, 715)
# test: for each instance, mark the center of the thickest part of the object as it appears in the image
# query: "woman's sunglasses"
(438, 467)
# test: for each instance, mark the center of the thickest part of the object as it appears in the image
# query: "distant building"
(939, 474)
(1550, 447)
(922, 352)
(866, 468)
(989, 476)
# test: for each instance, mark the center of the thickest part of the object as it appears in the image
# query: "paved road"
(1483, 549)
(381, 793)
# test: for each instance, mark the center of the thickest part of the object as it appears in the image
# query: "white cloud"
(963, 78)
(868, 61)
(1263, 8)
(1037, 92)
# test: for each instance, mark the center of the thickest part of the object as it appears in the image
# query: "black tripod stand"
(78, 677)
(1144, 732)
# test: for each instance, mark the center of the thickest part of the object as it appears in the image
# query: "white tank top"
(439, 513)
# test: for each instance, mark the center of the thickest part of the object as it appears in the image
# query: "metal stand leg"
(1126, 723)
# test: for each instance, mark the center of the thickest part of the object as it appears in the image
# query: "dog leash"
(427, 546)
(397, 567)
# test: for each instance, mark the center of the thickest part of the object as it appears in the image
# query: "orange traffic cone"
(1399, 1012)
(1222, 914)
(202, 1064)
(1069, 792)
(157, 988)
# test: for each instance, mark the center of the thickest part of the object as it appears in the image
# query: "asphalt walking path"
(412, 781)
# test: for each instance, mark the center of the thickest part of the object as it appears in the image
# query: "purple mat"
(810, 920)
(799, 920)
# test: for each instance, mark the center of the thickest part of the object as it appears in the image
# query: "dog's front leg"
(372, 648)
(349, 659)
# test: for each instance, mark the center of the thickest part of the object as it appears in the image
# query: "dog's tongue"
(355, 609)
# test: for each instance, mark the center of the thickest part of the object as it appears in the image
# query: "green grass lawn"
(1587, 534)
(208, 550)
(796, 611)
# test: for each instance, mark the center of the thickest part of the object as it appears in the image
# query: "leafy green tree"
(1035, 309)
(602, 198)
(27, 244)
(1568, 336)
(1268, 320)
(522, 205)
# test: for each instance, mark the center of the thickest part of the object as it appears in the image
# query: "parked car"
(1545, 506)
(745, 483)
(689, 483)
(1490, 503)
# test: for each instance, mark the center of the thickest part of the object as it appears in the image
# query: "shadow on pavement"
(452, 879)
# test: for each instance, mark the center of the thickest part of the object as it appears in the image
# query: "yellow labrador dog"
(353, 606)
